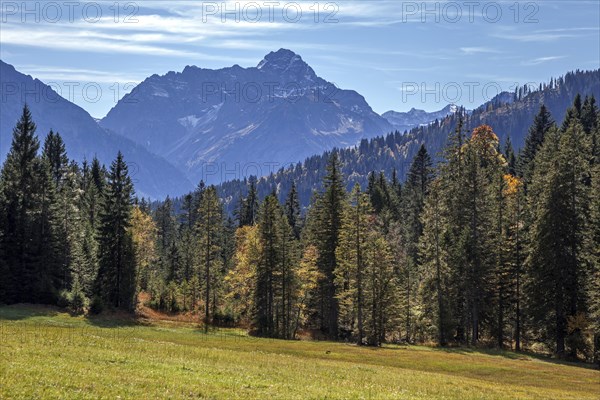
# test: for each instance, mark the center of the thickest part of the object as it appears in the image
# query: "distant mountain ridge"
(403, 121)
(508, 114)
(235, 118)
(84, 138)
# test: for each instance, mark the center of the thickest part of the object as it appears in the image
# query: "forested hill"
(509, 114)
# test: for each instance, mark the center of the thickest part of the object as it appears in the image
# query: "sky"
(397, 54)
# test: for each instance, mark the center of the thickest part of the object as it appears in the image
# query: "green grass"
(48, 354)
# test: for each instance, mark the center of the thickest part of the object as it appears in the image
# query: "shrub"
(78, 302)
(63, 299)
(96, 305)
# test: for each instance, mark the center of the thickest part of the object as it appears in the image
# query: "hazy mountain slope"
(84, 138)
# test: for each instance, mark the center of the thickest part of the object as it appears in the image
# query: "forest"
(480, 245)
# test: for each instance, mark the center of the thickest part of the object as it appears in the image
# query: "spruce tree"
(56, 154)
(433, 262)
(537, 132)
(209, 230)
(266, 270)
(292, 210)
(349, 274)
(27, 207)
(560, 204)
(415, 193)
(329, 221)
(509, 155)
(116, 280)
(249, 206)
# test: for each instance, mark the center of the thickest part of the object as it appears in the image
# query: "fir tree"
(559, 201)
(350, 282)
(328, 224)
(292, 210)
(116, 280)
(535, 138)
(209, 230)
(27, 208)
(55, 153)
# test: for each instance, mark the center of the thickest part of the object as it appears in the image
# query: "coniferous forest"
(480, 245)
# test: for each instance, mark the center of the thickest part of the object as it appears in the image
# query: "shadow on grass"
(109, 319)
(512, 355)
(112, 321)
(24, 311)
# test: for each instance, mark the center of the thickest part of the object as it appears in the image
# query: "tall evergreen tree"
(267, 268)
(326, 237)
(249, 206)
(559, 201)
(116, 280)
(509, 155)
(416, 189)
(292, 210)
(537, 133)
(27, 209)
(209, 230)
(56, 154)
(351, 253)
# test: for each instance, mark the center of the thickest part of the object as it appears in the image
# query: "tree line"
(487, 247)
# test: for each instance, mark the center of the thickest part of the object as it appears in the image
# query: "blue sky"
(397, 54)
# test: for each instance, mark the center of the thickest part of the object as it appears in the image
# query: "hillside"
(509, 115)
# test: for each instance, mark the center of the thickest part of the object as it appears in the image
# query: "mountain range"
(404, 121)
(240, 121)
(225, 125)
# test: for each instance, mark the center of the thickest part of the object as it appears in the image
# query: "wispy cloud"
(54, 73)
(477, 50)
(543, 35)
(541, 60)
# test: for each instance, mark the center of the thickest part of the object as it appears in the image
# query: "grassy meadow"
(48, 354)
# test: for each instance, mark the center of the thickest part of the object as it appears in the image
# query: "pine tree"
(380, 293)
(559, 201)
(589, 115)
(350, 283)
(116, 280)
(433, 263)
(537, 132)
(55, 153)
(264, 320)
(328, 215)
(249, 206)
(292, 211)
(27, 207)
(209, 230)
(415, 193)
(509, 155)
(484, 167)
(593, 247)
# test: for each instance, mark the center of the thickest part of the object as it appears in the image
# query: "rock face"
(404, 121)
(84, 138)
(222, 124)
